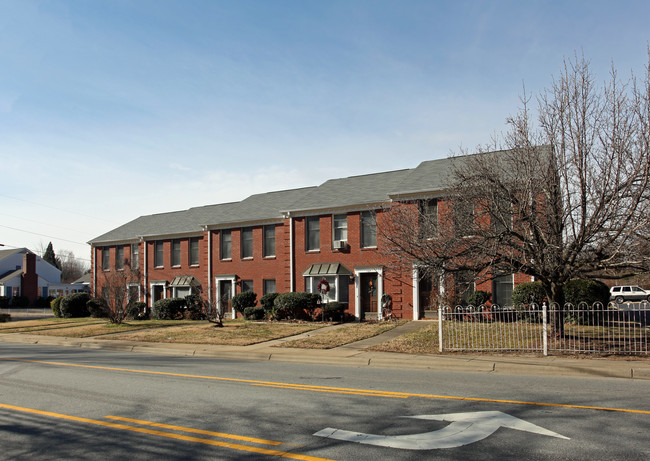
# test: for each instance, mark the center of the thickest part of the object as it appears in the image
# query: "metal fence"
(582, 329)
(27, 312)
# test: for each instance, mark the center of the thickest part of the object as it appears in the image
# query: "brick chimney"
(30, 278)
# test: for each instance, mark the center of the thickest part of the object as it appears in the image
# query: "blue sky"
(114, 109)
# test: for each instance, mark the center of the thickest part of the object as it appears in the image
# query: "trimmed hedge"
(295, 305)
(137, 310)
(334, 311)
(267, 303)
(97, 308)
(74, 305)
(168, 309)
(254, 313)
(56, 306)
(4, 302)
(589, 291)
(243, 300)
(528, 293)
(476, 298)
(20, 301)
(194, 308)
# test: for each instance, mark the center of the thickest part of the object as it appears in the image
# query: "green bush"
(527, 293)
(254, 313)
(74, 305)
(476, 298)
(97, 308)
(43, 302)
(5, 318)
(334, 311)
(56, 306)
(267, 303)
(194, 308)
(137, 310)
(295, 305)
(243, 300)
(168, 309)
(591, 292)
(20, 301)
(4, 302)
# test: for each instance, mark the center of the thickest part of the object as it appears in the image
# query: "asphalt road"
(63, 403)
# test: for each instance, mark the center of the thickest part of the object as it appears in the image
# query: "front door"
(368, 294)
(225, 295)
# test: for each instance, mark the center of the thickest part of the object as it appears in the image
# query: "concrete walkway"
(356, 355)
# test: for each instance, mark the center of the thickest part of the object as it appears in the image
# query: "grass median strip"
(346, 334)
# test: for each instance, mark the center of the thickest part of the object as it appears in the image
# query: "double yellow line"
(172, 435)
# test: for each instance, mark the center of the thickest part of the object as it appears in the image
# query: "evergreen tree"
(50, 257)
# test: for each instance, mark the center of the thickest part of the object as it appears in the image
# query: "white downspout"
(146, 274)
(209, 264)
(291, 251)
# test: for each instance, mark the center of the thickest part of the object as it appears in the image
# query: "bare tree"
(71, 267)
(566, 199)
(118, 290)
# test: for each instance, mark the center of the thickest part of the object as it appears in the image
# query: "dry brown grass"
(341, 336)
(49, 324)
(422, 341)
(235, 333)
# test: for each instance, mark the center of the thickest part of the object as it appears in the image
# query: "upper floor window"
(194, 251)
(268, 246)
(463, 218)
(158, 254)
(106, 258)
(226, 244)
(501, 215)
(368, 229)
(312, 237)
(247, 242)
(135, 256)
(429, 218)
(119, 257)
(340, 224)
(176, 253)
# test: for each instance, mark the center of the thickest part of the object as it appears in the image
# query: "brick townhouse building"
(287, 241)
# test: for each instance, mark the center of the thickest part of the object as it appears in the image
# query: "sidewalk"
(355, 355)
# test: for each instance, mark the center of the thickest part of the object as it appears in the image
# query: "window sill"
(369, 248)
(226, 260)
(269, 257)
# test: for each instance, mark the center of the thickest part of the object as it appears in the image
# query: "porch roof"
(327, 269)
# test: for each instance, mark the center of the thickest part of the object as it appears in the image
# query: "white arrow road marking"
(465, 428)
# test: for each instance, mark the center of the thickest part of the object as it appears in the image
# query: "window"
(194, 251)
(135, 252)
(464, 284)
(119, 257)
(133, 292)
(429, 218)
(269, 286)
(312, 239)
(268, 247)
(226, 245)
(340, 223)
(502, 288)
(157, 291)
(246, 285)
(501, 215)
(338, 287)
(368, 229)
(158, 254)
(182, 292)
(176, 253)
(106, 258)
(463, 218)
(247, 242)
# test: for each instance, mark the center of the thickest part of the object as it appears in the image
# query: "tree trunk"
(555, 294)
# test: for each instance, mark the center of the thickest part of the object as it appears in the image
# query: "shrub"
(74, 305)
(334, 311)
(56, 306)
(5, 318)
(476, 298)
(168, 309)
(294, 305)
(254, 313)
(243, 300)
(194, 308)
(97, 308)
(20, 301)
(580, 291)
(43, 302)
(267, 303)
(528, 293)
(137, 310)
(4, 302)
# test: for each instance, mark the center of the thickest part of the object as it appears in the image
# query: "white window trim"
(225, 278)
(357, 289)
(334, 228)
(134, 284)
(164, 292)
(337, 284)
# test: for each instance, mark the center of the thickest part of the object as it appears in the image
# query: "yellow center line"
(196, 431)
(340, 390)
(169, 435)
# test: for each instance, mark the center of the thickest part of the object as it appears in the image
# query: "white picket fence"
(583, 329)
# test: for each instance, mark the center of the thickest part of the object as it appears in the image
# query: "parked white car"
(622, 293)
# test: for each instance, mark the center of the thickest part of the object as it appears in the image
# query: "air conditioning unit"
(340, 245)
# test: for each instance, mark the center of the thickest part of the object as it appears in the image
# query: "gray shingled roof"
(429, 176)
(6, 253)
(351, 191)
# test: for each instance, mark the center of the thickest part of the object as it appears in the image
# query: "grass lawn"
(421, 341)
(344, 335)
(233, 333)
